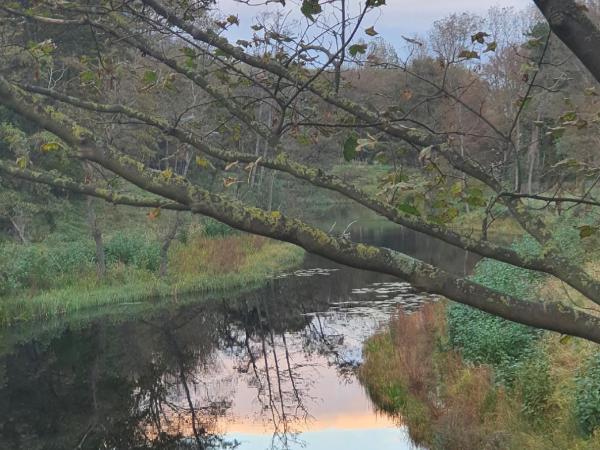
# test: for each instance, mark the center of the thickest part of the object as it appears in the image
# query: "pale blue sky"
(396, 18)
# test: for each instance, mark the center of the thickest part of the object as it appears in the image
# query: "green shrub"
(133, 249)
(534, 387)
(214, 228)
(40, 266)
(23, 266)
(587, 396)
(72, 257)
(486, 339)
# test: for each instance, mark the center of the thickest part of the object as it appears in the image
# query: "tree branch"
(567, 19)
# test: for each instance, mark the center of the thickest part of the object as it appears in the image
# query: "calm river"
(272, 369)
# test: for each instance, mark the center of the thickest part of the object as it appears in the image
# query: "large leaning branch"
(559, 267)
(416, 137)
(551, 316)
(116, 198)
(568, 20)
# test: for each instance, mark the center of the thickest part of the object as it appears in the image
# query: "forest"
(299, 224)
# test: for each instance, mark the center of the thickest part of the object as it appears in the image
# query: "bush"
(214, 228)
(38, 266)
(534, 387)
(133, 249)
(486, 339)
(587, 396)
(72, 257)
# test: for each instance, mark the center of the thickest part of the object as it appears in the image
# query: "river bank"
(201, 265)
(462, 379)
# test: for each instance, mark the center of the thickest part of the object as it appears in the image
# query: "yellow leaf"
(167, 174)
(50, 147)
(22, 162)
(202, 162)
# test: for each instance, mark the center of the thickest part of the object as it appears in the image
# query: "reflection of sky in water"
(334, 411)
(358, 439)
(141, 371)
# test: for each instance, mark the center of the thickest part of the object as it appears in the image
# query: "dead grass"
(218, 256)
(444, 403)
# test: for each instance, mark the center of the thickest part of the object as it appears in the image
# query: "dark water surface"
(272, 369)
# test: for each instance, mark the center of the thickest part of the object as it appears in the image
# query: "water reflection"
(270, 369)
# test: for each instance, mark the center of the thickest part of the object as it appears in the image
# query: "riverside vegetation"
(57, 275)
(460, 378)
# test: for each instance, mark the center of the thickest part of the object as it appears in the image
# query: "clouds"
(412, 17)
(396, 18)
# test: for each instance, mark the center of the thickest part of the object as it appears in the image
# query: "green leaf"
(357, 49)
(449, 215)
(150, 77)
(565, 339)
(22, 162)
(408, 208)
(310, 8)
(87, 76)
(167, 174)
(491, 47)
(456, 189)
(569, 116)
(587, 231)
(350, 147)
(189, 52)
(203, 163)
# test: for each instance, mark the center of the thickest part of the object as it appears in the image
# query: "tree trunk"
(271, 190)
(517, 154)
(265, 148)
(534, 149)
(97, 235)
(164, 249)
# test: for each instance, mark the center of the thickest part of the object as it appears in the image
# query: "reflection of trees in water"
(268, 363)
(149, 383)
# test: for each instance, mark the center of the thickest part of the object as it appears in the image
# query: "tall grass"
(410, 370)
(443, 402)
(199, 266)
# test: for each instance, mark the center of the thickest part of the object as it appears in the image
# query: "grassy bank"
(449, 402)
(463, 379)
(199, 265)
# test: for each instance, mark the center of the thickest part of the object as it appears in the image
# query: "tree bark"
(572, 26)
(534, 149)
(164, 249)
(97, 235)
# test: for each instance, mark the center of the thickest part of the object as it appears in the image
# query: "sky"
(396, 18)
